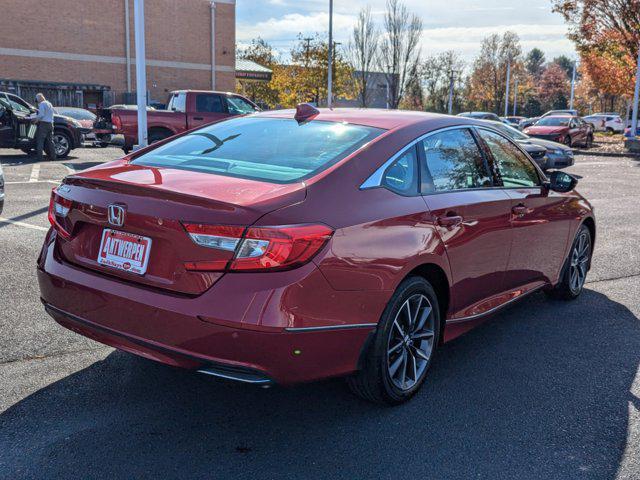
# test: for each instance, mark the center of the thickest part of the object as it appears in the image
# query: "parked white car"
(606, 123)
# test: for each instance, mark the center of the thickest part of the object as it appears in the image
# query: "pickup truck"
(186, 109)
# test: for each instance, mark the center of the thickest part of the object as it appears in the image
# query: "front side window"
(402, 175)
(514, 167)
(278, 150)
(206, 103)
(238, 106)
(453, 162)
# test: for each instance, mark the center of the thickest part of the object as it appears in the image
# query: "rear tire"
(574, 271)
(398, 359)
(567, 141)
(589, 143)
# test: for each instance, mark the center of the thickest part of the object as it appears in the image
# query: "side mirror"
(562, 182)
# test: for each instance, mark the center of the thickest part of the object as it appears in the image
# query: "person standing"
(44, 132)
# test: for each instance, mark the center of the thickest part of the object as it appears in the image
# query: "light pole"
(573, 86)
(450, 107)
(515, 96)
(636, 94)
(141, 73)
(330, 60)
(506, 95)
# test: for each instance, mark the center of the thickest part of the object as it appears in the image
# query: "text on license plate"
(124, 251)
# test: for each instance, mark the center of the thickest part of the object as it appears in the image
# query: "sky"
(458, 25)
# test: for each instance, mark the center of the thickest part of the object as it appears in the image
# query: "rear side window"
(278, 150)
(513, 166)
(206, 103)
(402, 175)
(453, 162)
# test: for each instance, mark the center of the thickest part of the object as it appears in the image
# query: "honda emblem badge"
(116, 215)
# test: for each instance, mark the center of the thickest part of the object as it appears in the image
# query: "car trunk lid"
(157, 202)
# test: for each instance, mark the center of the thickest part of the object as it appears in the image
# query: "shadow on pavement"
(540, 391)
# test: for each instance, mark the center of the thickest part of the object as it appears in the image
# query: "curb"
(606, 154)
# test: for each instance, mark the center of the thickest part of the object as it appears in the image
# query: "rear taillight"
(116, 122)
(259, 248)
(59, 208)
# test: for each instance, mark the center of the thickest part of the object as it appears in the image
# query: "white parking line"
(22, 224)
(29, 181)
(35, 172)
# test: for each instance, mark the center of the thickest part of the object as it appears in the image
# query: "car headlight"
(75, 123)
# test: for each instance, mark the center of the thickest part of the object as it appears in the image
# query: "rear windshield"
(270, 149)
(554, 121)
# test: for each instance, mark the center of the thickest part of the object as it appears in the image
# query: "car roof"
(377, 118)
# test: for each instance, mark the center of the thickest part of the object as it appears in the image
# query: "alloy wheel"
(410, 342)
(580, 255)
(60, 144)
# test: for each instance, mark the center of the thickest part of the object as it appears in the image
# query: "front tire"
(574, 272)
(396, 364)
(61, 144)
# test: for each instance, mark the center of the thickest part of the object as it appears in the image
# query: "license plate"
(124, 251)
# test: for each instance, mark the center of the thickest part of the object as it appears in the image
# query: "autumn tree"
(263, 54)
(607, 35)
(554, 87)
(399, 49)
(487, 84)
(437, 72)
(362, 52)
(305, 79)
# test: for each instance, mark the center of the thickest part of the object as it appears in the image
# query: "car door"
(471, 215)
(206, 108)
(7, 130)
(540, 218)
(576, 131)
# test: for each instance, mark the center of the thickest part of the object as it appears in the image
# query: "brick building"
(76, 52)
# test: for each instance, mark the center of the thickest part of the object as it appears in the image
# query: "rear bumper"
(232, 330)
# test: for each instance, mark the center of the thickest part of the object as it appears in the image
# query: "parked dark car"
(515, 121)
(556, 155)
(86, 118)
(17, 131)
(481, 116)
(282, 247)
(566, 129)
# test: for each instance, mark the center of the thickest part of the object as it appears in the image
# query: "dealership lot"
(542, 390)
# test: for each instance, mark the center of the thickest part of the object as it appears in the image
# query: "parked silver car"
(1, 189)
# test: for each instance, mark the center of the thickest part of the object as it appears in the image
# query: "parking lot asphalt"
(542, 390)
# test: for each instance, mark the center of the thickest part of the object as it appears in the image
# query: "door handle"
(198, 118)
(450, 221)
(520, 210)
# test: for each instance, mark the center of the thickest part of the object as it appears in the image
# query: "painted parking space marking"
(22, 224)
(35, 172)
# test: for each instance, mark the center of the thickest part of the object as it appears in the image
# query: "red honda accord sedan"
(290, 246)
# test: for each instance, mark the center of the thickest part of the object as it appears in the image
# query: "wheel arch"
(438, 279)
(161, 129)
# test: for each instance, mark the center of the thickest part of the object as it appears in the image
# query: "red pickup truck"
(186, 109)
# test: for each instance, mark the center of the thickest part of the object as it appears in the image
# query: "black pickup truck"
(17, 131)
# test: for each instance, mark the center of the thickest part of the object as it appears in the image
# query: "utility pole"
(330, 59)
(141, 72)
(450, 108)
(636, 94)
(506, 96)
(515, 96)
(573, 85)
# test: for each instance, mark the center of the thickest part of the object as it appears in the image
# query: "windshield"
(510, 131)
(554, 122)
(7, 101)
(276, 150)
